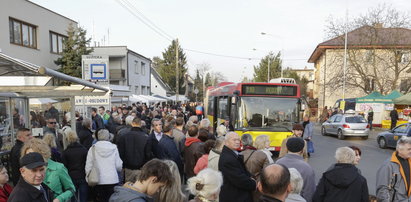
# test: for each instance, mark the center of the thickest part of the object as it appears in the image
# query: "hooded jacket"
(213, 159)
(194, 149)
(127, 194)
(342, 183)
(107, 161)
(391, 174)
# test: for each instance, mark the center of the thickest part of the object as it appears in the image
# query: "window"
(136, 67)
(143, 68)
(369, 56)
(338, 119)
(405, 57)
(222, 108)
(57, 42)
(137, 90)
(401, 129)
(22, 33)
(143, 90)
(405, 85)
(369, 84)
(402, 56)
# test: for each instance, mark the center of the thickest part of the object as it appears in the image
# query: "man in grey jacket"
(294, 159)
(393, 177)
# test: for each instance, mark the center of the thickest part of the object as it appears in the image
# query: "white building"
(31, 32)
(127, 68)
(158, 87)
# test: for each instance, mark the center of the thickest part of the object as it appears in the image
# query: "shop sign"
(364, 107)
(389, 107)
(93, 100)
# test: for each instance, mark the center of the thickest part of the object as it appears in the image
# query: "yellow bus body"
(276, 138)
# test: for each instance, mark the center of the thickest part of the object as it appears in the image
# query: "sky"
(219, 27)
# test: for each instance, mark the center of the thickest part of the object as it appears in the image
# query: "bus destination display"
(269, 90)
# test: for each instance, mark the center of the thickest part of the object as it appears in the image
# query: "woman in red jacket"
(5, 189)
(202, 162)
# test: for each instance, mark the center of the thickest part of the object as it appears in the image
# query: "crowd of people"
(170, 154)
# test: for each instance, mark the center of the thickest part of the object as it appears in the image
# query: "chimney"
(378, 25)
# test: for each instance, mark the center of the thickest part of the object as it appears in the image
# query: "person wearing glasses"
(51, 127)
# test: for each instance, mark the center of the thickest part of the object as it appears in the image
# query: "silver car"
(346, 125)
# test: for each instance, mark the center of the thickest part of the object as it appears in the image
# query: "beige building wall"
(375, 62)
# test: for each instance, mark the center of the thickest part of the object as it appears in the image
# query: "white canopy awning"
(39, 101)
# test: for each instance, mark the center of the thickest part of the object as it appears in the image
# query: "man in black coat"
(86, 135)
(30, 187)
(237, 182)
(370, 118)
(169, 148)
(134, 149)
(155, 137)
(23, 135)
(98, 121)
(394, 118)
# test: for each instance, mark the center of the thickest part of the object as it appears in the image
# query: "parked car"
(344, 125)
(389, 138)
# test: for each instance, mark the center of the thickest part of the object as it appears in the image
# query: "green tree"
(74, 47)
(260, 71)
(166, 66)
(301, 81)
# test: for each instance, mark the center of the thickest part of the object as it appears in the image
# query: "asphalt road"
(371, 159)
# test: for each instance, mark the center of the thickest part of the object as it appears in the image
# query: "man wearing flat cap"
(30, 186)
(294, 159)
(298, 131)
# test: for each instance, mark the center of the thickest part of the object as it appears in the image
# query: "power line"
(148, 20)
(126, 4)
(139, 18)
(221, 55)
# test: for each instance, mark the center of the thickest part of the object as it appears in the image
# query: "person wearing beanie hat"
(297, 132)
(294, 159)
(295, 145)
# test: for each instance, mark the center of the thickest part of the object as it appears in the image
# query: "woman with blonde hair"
(74, 158)
(57, 177)
(262, 143)
(51, 142)
(171, 193)
(206, 185)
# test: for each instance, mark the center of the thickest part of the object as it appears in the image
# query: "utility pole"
(177, 74)
(268, 76)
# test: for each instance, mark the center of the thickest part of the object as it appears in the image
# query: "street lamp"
(282, 49)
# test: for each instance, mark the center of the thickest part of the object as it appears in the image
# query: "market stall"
(381, 106)
(403, 105)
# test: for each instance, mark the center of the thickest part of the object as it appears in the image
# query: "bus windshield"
(267, 113)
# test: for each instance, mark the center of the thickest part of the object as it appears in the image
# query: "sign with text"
(269, 90)
(95, 68)
(93, 100)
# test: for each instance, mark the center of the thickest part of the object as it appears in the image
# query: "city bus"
(256, 108)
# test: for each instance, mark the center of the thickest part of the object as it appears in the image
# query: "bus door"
(233, 112)
(222, 110)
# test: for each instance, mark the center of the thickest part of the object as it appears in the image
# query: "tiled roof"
(367, 37)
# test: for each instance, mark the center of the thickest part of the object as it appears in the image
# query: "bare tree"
(378, 50)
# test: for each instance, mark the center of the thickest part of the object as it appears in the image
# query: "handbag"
(310, 146)
(93, 175)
